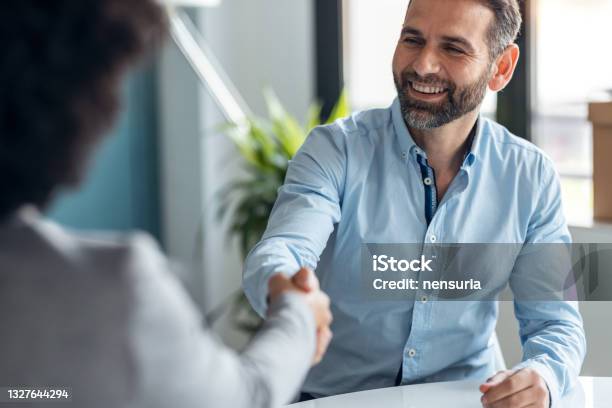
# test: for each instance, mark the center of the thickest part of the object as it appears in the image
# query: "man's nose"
(427, 62)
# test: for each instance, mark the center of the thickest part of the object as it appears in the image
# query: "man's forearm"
(269, 256)
(555, 347)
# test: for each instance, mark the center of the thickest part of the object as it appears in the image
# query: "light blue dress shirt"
(364, 180)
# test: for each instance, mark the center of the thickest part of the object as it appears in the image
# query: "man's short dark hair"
(60, 73)
(505, 28)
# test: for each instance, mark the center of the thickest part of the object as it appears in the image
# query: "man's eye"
(412, 41)
(454, 50)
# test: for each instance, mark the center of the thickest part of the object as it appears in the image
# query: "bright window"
(573, 66)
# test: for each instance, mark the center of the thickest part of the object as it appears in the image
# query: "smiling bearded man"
(427, 170)
(457, 101)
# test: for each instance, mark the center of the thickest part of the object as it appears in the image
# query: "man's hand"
(515, 389)
(306, 283)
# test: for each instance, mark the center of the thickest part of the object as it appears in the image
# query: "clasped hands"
(306, 284)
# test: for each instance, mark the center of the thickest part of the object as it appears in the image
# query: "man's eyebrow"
(410, 30)
(459, 40)
(447, 38)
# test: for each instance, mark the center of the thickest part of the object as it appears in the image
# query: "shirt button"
(404, 155)
(433, 238)
(411, 353)
(428, 181)
(423, 299)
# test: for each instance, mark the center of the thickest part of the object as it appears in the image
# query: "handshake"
(306, 284)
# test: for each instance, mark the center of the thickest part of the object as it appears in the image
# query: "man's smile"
(426, 92)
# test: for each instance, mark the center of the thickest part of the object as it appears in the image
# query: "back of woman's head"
(60, 71)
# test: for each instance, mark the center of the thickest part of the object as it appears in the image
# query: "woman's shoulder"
(33, 244)
(39, 255)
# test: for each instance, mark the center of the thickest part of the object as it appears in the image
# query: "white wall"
(181, 176)
(266, 42)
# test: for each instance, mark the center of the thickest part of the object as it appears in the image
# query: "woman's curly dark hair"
(60, 71)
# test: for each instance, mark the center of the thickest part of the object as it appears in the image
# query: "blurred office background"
(168, 160)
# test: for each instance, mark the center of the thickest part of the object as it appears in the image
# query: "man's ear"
(504, 67)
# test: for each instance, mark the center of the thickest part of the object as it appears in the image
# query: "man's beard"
(424, 115)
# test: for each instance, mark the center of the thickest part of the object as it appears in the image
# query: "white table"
(593, 392)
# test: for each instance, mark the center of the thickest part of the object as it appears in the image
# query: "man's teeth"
(427, 89)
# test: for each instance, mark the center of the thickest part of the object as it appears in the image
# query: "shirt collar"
(408, 145)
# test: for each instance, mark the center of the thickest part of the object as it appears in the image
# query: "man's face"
(442, 64)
